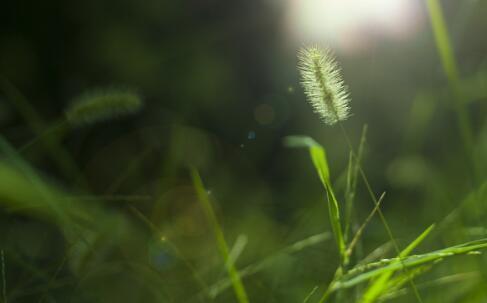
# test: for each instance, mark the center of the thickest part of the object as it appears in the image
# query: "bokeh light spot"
(264, 114)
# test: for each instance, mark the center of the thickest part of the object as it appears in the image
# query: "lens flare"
(351, 24)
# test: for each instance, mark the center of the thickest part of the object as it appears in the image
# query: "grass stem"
(220, 238)
(443, 46)
(379, 211)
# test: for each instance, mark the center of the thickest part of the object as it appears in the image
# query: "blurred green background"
(221, 91)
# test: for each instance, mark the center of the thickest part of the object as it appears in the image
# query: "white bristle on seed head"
(323, 84)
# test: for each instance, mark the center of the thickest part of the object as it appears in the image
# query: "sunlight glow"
(351, 24)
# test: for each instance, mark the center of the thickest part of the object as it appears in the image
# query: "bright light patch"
(351, 24)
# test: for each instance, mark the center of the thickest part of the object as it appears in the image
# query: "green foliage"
(271, 260)
(380, 285)
(394, 264)
(220, 238)
(318, 156)
(449, 64)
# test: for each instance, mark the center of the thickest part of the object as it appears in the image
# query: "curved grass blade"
(396, 283)
(311, 293)
(393, 264)
(380, 285)
(36, 123)
(221, 285)
(318, 156)
(220, 238)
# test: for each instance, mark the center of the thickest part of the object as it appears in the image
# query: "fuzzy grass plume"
(323, 84)
(99, 105)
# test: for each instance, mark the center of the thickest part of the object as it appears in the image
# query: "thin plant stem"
(443, 46)
(331, 286)
(361, 229)
(132, 166)
(36, 123)
(233, 273)
(352, 181)
(174, 247)
(54, 276)
(59, 126)
(311, 293)
(379, 211)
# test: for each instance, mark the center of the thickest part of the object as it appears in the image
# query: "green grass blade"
(442, 40)
(411, 261)
(218, 287)
(36, 123)
(238, 248)
(448, 62)
(159, 234)
(376, 202)
(311, 293)
(379, 286)
(416, 242)
(318, 157)
(352, 177)
(22, 188)
(220, 238)
(361, 229)
(454, 281)
(396, 283)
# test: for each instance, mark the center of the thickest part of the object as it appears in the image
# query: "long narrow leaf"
(392, 264)
(220, 238)
(318, 156)
(379, 286)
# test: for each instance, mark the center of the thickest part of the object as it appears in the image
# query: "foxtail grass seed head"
(323, 84)
(99, 105)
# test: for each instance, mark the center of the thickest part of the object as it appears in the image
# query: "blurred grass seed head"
(100, 105)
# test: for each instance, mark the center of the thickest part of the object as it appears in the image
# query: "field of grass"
(169, 152)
